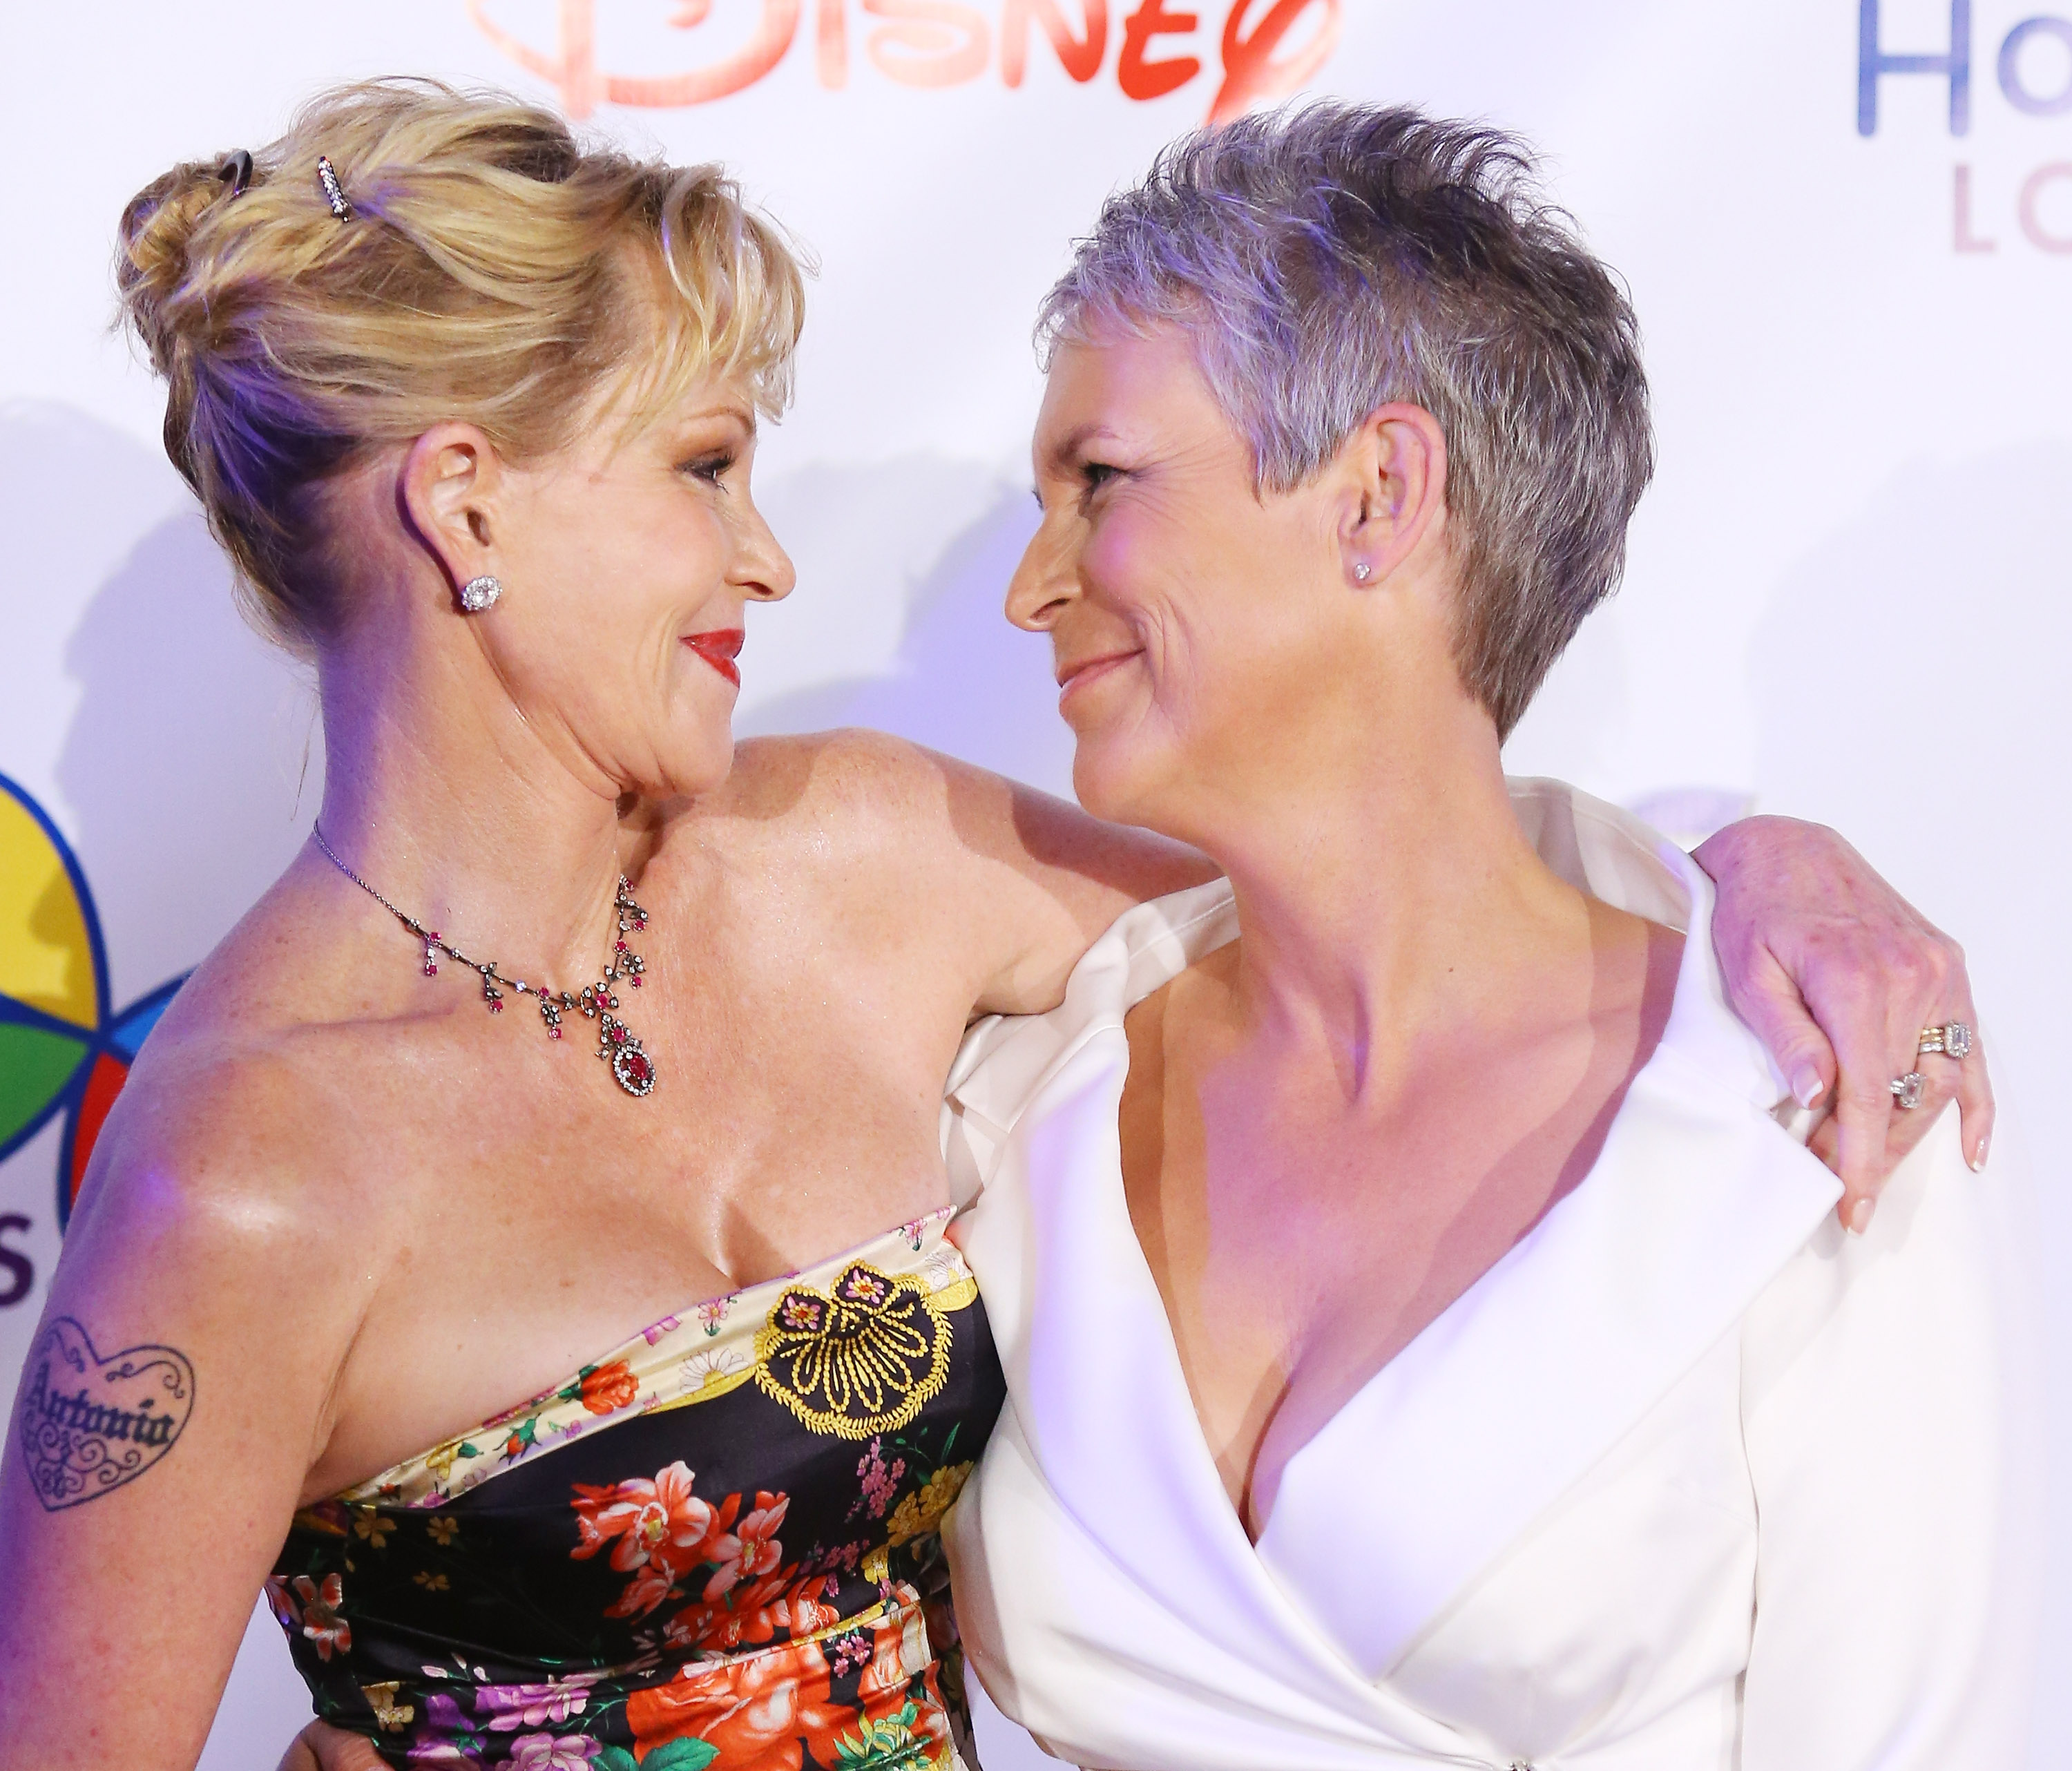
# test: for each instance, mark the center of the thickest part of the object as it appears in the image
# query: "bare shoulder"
(228, 1153)
(222, 1159)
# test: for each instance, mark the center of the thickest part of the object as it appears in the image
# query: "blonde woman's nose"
(764, 571)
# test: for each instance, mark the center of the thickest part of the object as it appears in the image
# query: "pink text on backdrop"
(1266, 50)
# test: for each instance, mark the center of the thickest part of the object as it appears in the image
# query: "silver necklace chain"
(631, 1067)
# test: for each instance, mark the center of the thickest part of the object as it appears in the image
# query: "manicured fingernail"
(1860, 1216)
(1806, 1087)
(1979, 1157)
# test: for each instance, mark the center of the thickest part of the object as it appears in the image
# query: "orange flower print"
(758, 1713)
(744, 1618)
(660, 1521)
(751, 1549)
(763, 1711)
(316, 1614)
(654, 1585)
(610, 1387)
(807, 1612)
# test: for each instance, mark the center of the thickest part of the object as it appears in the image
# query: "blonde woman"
(522, 1249)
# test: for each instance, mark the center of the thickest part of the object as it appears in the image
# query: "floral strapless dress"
(716, 1547)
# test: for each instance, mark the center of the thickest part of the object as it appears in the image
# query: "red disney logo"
(936, 44)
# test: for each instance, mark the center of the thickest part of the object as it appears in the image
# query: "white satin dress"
(1689, 1480)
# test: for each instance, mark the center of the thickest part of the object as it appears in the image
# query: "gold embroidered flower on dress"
(862, 1357)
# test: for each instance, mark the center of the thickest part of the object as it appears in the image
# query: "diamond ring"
(1953, 1041)
(1909, 1089)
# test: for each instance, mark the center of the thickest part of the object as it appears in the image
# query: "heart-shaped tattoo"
(88, 1424)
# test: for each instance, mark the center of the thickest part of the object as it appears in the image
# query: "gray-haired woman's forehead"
(1332, 259)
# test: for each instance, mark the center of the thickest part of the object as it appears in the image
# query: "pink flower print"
(668, 1325)
(661, 1521)
(841, 1558)
(801, 1315)
(880, 1482)
(509, 1706)
(712, 1314)
(544, 1752)
(445, 1740)
(750, 1550)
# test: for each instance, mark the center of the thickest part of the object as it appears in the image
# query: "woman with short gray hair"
(1434, 1350)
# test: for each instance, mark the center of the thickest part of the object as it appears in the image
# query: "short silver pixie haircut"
(1329, 260)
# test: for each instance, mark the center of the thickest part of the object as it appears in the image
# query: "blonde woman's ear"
(450, 480)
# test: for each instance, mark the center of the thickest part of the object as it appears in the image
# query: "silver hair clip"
(333, 192)
(237, 173)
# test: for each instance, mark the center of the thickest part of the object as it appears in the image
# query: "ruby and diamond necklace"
(632, 1066)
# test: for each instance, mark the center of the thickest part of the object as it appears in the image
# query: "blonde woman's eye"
(711, 469)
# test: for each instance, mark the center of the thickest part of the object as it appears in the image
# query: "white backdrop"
(1849, 597)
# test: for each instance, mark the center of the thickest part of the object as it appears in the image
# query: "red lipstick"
(719, 647)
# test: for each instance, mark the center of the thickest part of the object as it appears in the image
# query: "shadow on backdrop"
(179, 771)
(1573, 729)
(1910, 682)
(960, 677)
(182, 763)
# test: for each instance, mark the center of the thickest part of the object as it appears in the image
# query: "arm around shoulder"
(172, 1404)
(1889, 1407)
(1014, 882)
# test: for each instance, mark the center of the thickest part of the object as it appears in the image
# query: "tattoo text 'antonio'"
(88, 1424)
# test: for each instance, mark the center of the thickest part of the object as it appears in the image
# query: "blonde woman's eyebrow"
(743, 417)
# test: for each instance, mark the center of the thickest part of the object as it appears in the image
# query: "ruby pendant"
(631, 1068)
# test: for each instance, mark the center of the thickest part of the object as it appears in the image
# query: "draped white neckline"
(1451, 1449)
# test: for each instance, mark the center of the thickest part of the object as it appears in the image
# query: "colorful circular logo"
(62, 1048)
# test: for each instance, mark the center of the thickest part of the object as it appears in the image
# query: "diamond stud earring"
(477, 594)
(1363, 572)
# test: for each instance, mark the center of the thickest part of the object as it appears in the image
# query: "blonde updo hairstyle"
(494, 271)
